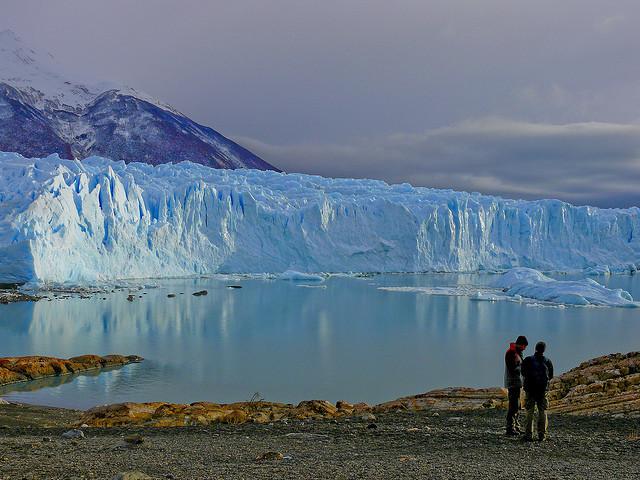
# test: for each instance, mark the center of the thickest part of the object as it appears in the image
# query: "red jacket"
(513, 367)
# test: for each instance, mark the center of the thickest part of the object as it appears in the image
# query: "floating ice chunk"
(530, 283)
(300, 276)
(598, 270)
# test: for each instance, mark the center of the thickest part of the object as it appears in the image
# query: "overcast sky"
(526, 99)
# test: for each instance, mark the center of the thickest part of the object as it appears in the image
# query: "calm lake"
(343, 338)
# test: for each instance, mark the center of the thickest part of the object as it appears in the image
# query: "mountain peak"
(43, 112)
(9, 35)
(36, 75)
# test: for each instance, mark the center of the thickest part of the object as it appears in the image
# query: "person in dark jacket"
(537, 371)
(513, 382)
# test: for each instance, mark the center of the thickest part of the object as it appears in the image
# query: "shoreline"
(444, 434)
(18, 370)
(608, 386)
(15, 293)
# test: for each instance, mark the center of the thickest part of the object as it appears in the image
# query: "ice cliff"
(64, 220)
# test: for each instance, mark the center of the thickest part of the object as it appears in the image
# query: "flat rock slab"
(605, 385)
(23, 369)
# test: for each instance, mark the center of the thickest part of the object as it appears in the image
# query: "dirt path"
(446, 446)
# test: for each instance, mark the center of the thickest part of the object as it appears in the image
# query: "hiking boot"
(541, 438)
(527, 438)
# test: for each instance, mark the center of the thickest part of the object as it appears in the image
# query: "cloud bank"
(582, 163)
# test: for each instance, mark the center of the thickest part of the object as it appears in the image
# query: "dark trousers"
(514, 409)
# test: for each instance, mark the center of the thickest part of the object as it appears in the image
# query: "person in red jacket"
(513, 382)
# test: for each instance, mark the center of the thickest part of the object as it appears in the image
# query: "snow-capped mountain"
(42, 112)
(66, 220)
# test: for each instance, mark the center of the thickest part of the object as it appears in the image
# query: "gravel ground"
(404, 445)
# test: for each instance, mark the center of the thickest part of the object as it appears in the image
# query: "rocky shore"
(11, 294)
(608, 385)
(442, 434)
(24, 369)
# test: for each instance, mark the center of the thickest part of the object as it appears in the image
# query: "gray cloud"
(319, 74)
(583, 163)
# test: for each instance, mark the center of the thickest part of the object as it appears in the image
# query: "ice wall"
(64, 220)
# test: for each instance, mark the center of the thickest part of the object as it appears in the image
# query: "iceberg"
(294, 276)
(529, 287)
(98, 220)
(529, 283)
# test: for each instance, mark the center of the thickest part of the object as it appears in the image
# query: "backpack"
(536, 374)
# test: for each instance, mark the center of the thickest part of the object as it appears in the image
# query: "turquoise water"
(340, 339)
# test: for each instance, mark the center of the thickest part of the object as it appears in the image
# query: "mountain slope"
(41, 112)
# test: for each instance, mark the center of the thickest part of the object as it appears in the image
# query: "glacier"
(70, 221)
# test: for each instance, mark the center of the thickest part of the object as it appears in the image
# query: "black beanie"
(522, 340)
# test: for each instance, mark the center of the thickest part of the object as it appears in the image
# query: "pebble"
(407, 458)
(75, 433)
(307, 436)
(135, 439)
(270, 456)
(135, 475)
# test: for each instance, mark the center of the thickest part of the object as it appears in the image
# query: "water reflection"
(348, 340)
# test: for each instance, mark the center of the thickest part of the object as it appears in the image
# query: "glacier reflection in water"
(348, 340)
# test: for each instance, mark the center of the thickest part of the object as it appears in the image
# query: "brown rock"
(19, 369)
(315, 409)
(269, 456)
(343, 406)
(235, 417)
(453, 399)
(9, 376)
(605, 385)
(135, 439)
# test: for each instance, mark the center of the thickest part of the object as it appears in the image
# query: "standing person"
(513, 382)
(537, 371)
